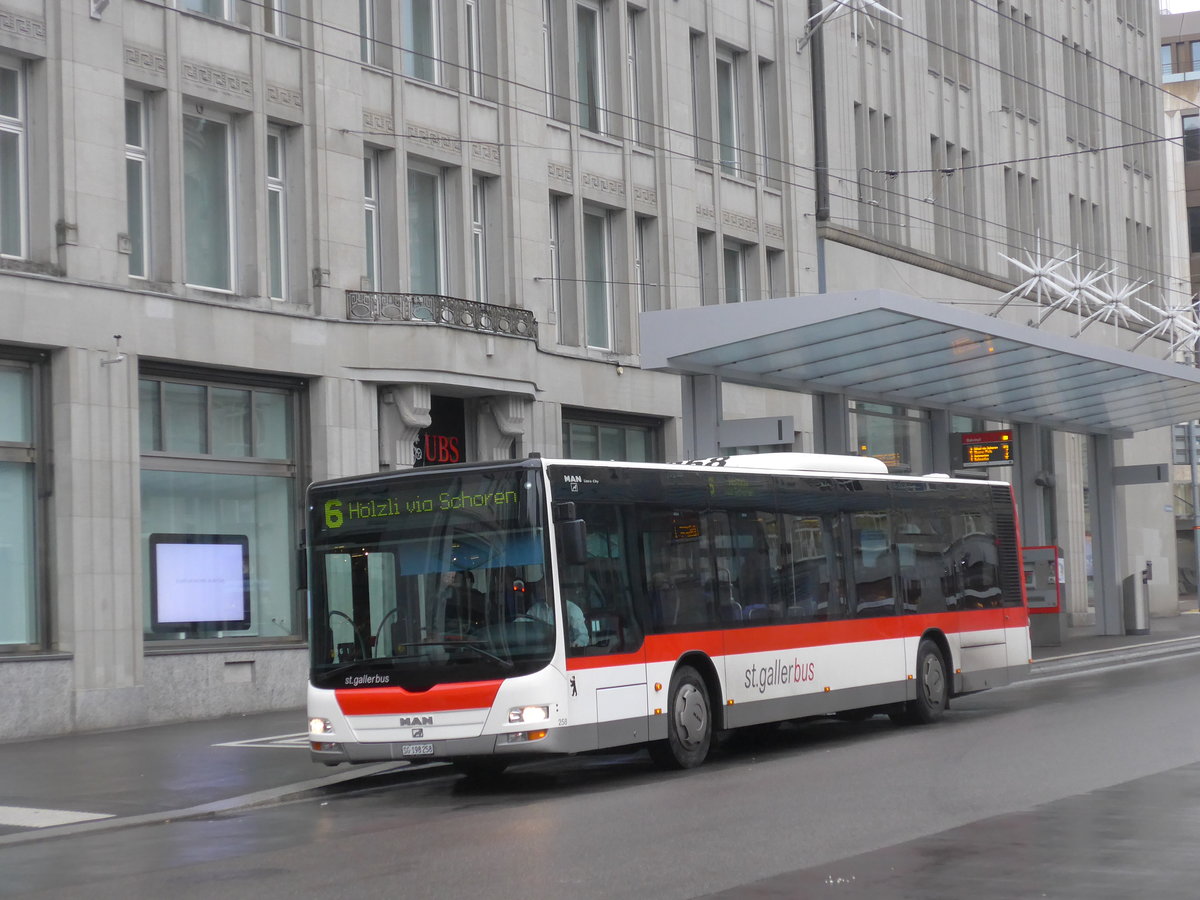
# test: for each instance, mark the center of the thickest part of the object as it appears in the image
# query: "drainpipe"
(816, 49)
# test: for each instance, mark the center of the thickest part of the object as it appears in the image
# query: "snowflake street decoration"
(1178, 324)
(1113, 305)
(1043, 284)
(1078, 290)
(853, 6)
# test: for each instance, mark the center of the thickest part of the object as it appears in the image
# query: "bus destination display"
(987, 448)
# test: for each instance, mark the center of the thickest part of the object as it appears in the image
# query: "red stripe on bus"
(669, 647)
(378, 701)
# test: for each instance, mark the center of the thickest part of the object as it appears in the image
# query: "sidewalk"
(85, 782)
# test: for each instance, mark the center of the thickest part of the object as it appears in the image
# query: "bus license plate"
(416, 749)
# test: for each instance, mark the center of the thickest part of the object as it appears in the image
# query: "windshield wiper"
(469, 645)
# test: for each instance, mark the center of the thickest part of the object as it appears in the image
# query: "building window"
(1194, 53)
(137, 184)
(701, 97)
(1165, 57)
(1022, 206)
(876, 154)
(735, 272)
(706, 266)
(426, 238)
(898, 436)
(479, 236)
(645, 262)
(371, 220)
(597, 268)
(214, 9)
(1193, 216)
(1191, 138)
(589, 437)
(557, 202)
(276, 214)
(218, 493)
(420, 39)
(769, 122)
(639, 87)
(280, 20)
(955, 229)
(20, 628)
(776, 273)
(548, 55)
(589, 77)
(366, 31)
(474, 50)
(949, 37)
(12, 159)
(207, 200)
(1081, 79)
(727, 112)
(1087, 232)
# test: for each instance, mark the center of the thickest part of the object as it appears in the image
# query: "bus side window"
(603, 586)
(873, 563)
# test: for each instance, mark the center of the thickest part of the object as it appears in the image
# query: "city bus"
(488, 613)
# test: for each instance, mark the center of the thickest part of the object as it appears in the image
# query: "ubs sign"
(444, 441)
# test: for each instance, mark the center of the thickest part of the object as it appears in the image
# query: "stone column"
(403, 412)
(501, 422)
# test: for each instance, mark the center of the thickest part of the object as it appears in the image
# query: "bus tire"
(933, 688)
(480, 769)
(689, 723)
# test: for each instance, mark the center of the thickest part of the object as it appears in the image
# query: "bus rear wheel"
(933, 688)
(689, 723)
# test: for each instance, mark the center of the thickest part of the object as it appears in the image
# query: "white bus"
(488, 613)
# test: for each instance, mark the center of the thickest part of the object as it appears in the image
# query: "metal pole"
(1191, 439)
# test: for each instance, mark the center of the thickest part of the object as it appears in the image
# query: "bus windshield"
(429, 580)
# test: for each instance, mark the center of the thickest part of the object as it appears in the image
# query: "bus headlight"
(528, 714)
(320, 726)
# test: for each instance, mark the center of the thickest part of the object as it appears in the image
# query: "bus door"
(606, 661)
(976, 563)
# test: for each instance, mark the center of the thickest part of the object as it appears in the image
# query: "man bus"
(612, 604)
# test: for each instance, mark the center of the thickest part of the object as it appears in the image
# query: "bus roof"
(781, 463)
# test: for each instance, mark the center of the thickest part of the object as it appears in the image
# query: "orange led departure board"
(987, 448)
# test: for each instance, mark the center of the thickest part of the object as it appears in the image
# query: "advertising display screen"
(199, 582)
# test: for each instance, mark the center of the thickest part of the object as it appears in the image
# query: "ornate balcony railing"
(434, 309)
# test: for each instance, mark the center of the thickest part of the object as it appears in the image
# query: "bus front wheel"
(933, 688)
(689, 723)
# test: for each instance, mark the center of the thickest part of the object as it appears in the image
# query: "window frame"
(228, 123)
(207, 463)
(414, 59)
(225, 15)
(277, 216)
(139, 156)
(438, 174)
(728, 120)
(30, 452)
(603, 216)
(18, 125)
(372, 244)
(479, 190)
(597, 108)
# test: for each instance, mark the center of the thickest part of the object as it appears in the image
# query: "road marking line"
(28, 817)
(291, 741)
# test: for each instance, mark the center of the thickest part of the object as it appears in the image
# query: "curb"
(245, 801)
(1116, 656)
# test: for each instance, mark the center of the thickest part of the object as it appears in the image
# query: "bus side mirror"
(572, 534)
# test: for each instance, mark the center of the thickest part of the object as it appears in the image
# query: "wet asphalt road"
(1085, 786)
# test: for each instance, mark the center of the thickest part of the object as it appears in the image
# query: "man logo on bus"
(410, 721)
